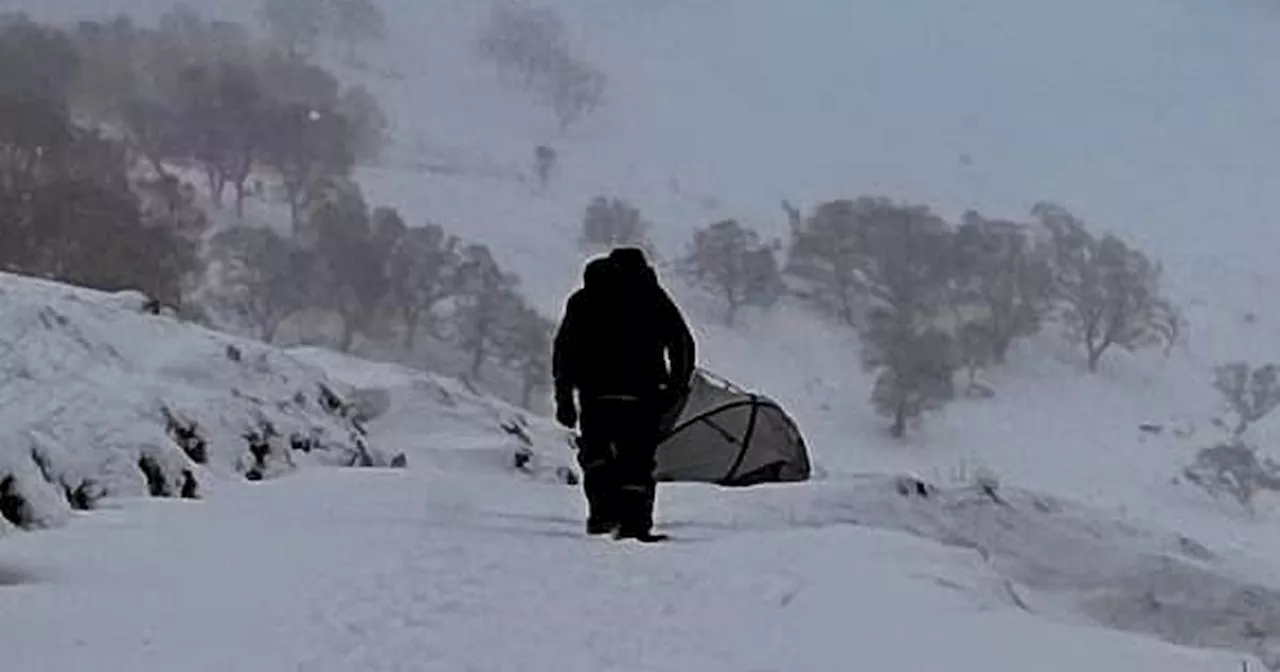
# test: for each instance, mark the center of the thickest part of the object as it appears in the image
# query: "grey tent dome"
(724, 435)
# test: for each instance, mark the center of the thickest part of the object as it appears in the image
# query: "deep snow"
(400, 570)
(1147, 116)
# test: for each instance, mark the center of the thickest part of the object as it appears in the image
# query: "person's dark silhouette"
(626, 350)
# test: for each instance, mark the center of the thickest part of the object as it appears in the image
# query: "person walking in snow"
(623, 346)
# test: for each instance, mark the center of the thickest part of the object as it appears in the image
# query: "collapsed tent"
(724, 435)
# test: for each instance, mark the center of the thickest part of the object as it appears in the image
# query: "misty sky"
(1155, 117)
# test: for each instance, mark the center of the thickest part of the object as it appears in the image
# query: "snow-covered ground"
(1149, 117)
(405, 570)
(462, 561)
(96, 393)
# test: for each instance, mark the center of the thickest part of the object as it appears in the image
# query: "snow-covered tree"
(572, 89)
(612, 222)
(487, 297)
(917, 369)
(525, 345)
(340, 228)
(1250, 393)
(1002, 280)
(529, 43)
(824, 256)
(423, 271)
(902, 264)
(1108, 293)
(262, 278)
(728, 260)
(1234, 468)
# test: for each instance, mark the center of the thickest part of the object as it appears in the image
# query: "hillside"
(1146, 117)
(103, 400)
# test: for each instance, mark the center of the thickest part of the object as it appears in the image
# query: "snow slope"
(408, 569)
(1150, 117)
(90, 383)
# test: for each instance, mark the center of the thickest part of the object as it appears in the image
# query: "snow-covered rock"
(100, 399)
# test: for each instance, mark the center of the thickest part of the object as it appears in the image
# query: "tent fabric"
(724, 435)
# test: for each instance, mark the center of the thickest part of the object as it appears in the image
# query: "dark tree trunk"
(411, 319)
(899, 428)
(477, 358)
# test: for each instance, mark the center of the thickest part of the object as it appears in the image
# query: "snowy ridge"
(92, 383)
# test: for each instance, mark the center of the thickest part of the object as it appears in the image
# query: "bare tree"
(1250, 393)
(916, 370)
(220, 121)
(262, 278)
(1002, 279)
(544, 160)
(307, 148)
(612, 222)
(825, 256)
(902, 262)
(526, 346)
(522, 39)
(342, 232)
(486, 299)
(529, 42)
(764, 286)
(68, 209)
(423, 271)
(1234, 468)
(356, 22)
(572, 89)
(1108, 292)
(369, 124)
(729, 260)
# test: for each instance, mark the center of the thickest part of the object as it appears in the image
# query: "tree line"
(928, 298)
(102, 123)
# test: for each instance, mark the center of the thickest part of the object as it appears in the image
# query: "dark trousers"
(616, 453)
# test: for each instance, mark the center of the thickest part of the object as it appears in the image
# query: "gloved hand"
(566, 412)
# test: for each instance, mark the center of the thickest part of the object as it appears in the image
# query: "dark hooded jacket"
(621, 334)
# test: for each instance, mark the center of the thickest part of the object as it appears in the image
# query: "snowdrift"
(1048, 556)
(445, 424)
(102, 399)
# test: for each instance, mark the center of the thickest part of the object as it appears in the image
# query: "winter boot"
(636, 513)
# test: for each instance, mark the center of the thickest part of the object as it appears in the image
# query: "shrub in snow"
(987, 481)
(13, 505)
(190, 488)
(1108, 293)
(1234, 468)
(157, 483)
(185, 434)
(1249, 393)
